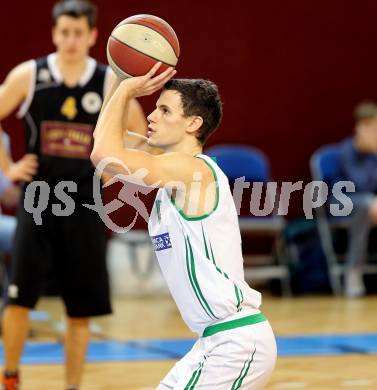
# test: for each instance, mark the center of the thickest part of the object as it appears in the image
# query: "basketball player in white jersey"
(195, 232)
(60, 97)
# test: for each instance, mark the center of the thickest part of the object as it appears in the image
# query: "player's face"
(167, 124)
(73, 37)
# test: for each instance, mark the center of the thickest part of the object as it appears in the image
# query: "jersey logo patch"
(44, 75)
(161, 242)
(69, 108)
(13, 291)
(66, 139)
(91, 102)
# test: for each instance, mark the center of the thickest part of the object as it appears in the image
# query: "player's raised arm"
(134, 124)
(109, 134)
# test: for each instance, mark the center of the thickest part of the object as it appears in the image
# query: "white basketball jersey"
(201, 258)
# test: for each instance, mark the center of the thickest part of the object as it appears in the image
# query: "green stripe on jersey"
(190, 263)
(158, 209)
(237, 296)
(211, 256)
(205, 243)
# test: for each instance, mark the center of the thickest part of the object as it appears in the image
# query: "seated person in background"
(358, 163)
(10, 173)
(9, 195)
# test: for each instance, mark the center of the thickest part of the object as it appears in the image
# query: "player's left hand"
(149, 83)
(11, 196)
(24, 169)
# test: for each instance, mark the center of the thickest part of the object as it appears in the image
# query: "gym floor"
(323, 343)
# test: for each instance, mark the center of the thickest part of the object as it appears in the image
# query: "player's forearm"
(108, 135)
(109, 94)
(137, 124)
(109, 145)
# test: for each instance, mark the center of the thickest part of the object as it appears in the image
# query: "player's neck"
(71, 71)
(186, 148)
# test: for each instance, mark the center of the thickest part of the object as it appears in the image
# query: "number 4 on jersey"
(69, 108)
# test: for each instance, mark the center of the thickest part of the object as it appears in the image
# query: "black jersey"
(60, 121)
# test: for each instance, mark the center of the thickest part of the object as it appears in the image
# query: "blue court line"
(316, 345)
(107, 351)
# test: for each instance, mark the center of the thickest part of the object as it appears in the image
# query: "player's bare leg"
(76, 345)
(15, 331)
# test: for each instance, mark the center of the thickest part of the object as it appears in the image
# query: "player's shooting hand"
(24, 169)
(149, 83)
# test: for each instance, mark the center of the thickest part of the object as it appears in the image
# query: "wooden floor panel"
(314, 373)
(157, 317)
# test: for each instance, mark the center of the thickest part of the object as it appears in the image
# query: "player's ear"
(93, 36)
(195, 124)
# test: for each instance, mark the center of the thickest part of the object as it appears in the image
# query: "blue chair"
(324, 165)
(238, 161)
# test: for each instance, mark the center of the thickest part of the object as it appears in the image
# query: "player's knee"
(79, 322)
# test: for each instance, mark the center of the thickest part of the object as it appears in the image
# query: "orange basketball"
(140, 41)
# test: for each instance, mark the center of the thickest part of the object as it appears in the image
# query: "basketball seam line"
(118, 69)
(156, 31)
(133, 48)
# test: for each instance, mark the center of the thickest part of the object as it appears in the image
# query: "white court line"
(357, 382)
(291, 385)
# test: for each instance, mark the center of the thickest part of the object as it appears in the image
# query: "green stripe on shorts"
(238, 382)
(249, 320)
(195, 377)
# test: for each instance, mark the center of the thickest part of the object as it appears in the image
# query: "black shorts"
(71, 249)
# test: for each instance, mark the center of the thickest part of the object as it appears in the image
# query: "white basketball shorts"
(239, 356)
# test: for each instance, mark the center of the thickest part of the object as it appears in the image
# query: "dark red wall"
(289, 72)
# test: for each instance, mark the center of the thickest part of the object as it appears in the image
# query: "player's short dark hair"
(76, 9)
(199, 97)
(365, 110)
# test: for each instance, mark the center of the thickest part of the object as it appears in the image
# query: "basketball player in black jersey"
(60, 97)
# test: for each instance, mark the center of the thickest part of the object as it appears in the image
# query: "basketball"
(140, 41)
